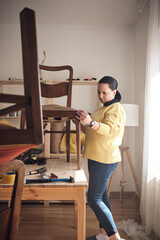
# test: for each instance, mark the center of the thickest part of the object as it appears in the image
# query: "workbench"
(75, 192)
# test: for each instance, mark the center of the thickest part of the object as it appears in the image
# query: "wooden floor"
(56, 221)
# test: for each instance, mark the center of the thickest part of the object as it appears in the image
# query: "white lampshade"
(132, 114)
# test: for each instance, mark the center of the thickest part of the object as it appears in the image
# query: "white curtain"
(150, 198)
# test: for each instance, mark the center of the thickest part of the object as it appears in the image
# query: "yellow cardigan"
(103, 145)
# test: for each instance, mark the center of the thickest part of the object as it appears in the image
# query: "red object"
(54, 176)
(9, 153)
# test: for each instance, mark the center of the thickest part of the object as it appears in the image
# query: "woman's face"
(105, 94)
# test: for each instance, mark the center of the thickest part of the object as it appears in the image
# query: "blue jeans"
(99, 174)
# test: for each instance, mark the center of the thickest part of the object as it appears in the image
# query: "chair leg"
(15, 205)
(68, 140)
(16, 199)
(78, 144)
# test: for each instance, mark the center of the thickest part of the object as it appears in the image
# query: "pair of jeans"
(99, 174)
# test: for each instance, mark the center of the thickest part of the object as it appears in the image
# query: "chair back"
(59, 89)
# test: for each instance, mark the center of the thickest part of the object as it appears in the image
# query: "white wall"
(93, 51)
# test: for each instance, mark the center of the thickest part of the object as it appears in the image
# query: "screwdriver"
(40, 170)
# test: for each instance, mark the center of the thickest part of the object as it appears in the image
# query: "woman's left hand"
(83, 116)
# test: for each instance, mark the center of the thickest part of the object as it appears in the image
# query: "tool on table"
(44, 175)
(40, 170)
(71, 180)
(54, 176)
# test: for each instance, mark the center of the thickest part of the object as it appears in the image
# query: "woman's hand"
(83, 116)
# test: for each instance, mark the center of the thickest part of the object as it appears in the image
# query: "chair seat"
(8, 153)
(54, 110)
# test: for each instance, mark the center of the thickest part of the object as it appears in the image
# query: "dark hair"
(112, 82)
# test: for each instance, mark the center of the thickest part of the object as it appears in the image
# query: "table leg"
(81, 215)
(75, 214)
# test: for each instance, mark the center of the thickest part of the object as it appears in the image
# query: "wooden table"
(57, 190)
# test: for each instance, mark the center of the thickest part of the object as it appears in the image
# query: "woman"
(104, 132)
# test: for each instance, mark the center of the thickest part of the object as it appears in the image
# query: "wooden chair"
(64, 113)
(15, 141)
(31, 100)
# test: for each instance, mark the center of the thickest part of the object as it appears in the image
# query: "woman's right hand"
(83, 116)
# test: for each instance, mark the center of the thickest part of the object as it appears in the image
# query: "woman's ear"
(114, 92)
